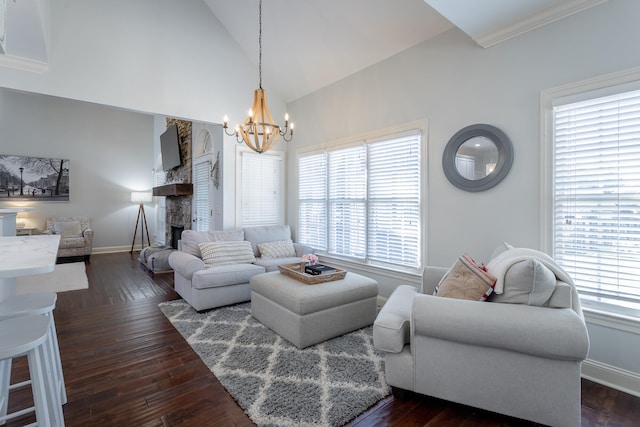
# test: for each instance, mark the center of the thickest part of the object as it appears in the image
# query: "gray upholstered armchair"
(516, 355)
(76, 235)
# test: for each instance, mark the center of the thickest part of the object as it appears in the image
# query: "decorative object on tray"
(312, 259)
(318, 269)
(296, 271)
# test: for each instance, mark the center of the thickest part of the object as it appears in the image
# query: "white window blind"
(347, 201)
(261, 199)
(597, 197)
(394, 201)
(201, 192)
(363, 201)
(312, 200)
(161, 210)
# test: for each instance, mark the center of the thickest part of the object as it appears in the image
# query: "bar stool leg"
(5, 380)
(54, 351)
(51, 384)
(39, 386)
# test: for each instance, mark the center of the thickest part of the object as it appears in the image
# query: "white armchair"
(516, 359)
(76, 235)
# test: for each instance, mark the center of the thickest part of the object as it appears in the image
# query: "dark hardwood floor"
(125, 365)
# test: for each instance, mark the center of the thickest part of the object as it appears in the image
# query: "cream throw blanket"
(499, 265)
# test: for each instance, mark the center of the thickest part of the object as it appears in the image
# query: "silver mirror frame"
(505, 157)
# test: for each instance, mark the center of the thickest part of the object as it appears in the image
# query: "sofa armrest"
(556, 333)
(392, 326)
(302, 249)
(185, 264)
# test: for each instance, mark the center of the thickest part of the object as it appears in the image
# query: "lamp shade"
(141, 196)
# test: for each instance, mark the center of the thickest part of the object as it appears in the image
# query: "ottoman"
(308, 314)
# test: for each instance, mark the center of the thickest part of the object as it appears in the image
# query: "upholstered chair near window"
(76, 235)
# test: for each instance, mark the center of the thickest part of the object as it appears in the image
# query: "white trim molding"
(561, 11)
(611, 376)
(24, 64)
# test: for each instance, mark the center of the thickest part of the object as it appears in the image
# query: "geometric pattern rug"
(274, 382)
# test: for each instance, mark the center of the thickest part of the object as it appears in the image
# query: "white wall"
(452, 82)
(165, 57)
(109, 151)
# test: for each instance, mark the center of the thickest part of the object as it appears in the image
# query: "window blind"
(312, 200)
(365, 200)
(597, 196)
(161, 210)
(347, 201)
(261, 200)
(394, 201)
(201, 192)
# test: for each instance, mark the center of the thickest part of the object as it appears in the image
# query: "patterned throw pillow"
(279, 249)
(226, 253)
(465, 280)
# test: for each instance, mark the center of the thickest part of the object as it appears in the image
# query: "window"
(201, 193)
(161, 209)
(363, 201)
(595, 213)
(261, 183)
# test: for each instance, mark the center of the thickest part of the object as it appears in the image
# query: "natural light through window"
(596, 197)
(362, 201)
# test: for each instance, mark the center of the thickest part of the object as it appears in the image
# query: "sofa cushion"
(392, 327)
(225, 253)
(67, 228)
(72, 242)
(527, 282)
(269, 233)
(277, 249)
(465, 280)
(190, 239)
(225, 275)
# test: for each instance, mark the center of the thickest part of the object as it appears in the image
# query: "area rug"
(64, 277)
(275, 383)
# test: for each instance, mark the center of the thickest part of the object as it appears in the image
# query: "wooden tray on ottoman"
(296, 271)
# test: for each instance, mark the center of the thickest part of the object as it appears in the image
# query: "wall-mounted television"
(170, 148)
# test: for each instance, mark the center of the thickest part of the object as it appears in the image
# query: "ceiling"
(310, 44)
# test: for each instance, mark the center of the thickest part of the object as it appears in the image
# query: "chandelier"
(259, 131)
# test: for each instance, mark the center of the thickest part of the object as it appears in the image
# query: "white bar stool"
(28, 335)
(34, 304)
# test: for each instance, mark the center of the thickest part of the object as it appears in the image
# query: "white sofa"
(205, 287)
(520, 356)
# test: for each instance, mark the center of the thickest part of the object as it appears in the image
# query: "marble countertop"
(27, 255)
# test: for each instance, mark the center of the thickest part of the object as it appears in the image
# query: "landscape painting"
(33, 178)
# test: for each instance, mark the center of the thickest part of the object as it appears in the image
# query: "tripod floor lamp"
(141, 197)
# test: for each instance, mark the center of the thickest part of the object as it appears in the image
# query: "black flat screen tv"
(170, 148)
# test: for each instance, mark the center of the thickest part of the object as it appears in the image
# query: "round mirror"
(477, 157)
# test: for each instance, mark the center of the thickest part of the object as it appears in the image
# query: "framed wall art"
(33, 178)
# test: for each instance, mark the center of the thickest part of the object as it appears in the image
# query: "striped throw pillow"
(226, 253)
(279, 249)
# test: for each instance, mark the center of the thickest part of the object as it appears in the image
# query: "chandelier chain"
(260, 43)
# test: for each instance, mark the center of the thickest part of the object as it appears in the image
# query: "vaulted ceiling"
(310, 44)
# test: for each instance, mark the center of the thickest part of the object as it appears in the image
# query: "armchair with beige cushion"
(518, 353)
(76, 235)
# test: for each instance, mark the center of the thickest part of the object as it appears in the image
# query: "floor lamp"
(141, 197)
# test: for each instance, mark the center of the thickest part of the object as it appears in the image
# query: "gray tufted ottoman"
(308, 314)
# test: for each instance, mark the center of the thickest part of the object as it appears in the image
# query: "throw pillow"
(279, 249)
(465, 280)
(527, 282)
(67, 228)
(226, 253)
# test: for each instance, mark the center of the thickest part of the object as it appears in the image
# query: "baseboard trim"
(113, 249)
(611, 376)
